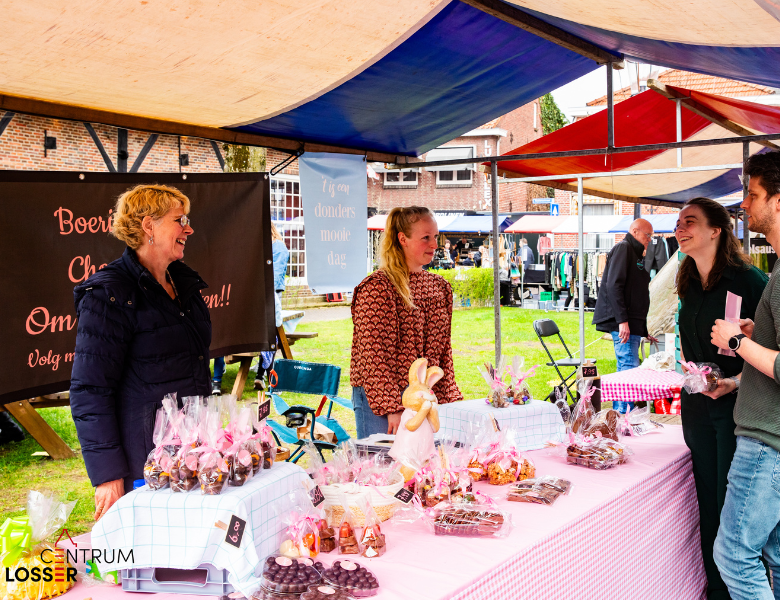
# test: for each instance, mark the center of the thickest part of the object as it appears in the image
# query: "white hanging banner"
(334, 192)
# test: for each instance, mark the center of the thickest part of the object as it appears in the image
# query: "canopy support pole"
(581, 268)
(745, 228)
(496, 281)
(678, 118)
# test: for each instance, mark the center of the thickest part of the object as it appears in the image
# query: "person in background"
(281, 256)
(624, 297)
(526, 254)
(445, 257)
(453, 251)
(750, 519)
(714, 266)
(477, 257)
(468, 261)
(400, 313)
(9, 430)
(144, 331)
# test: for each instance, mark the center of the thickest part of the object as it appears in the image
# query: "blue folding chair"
(300, 377)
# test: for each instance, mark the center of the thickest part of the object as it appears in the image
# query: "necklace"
(169, 279)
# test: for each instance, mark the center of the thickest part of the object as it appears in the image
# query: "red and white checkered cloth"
(639, 385)
(643, 544)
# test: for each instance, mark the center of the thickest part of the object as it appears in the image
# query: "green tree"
(552, 117)
(552, 120)
(243, 159)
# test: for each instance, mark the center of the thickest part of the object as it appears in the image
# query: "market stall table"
(536, 422)
(592, 544)
(182, 531)
(639, 385)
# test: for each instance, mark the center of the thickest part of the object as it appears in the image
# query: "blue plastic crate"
(206, 580)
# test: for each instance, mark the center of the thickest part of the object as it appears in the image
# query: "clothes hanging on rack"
(657, 254)
(562, 270)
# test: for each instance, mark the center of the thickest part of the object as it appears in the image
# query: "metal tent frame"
(611, 149)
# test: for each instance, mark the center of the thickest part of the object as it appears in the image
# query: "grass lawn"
(472, 345)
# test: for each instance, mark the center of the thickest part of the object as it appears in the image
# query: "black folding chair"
(546, 328)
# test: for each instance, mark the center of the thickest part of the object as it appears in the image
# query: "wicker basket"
(381, 499)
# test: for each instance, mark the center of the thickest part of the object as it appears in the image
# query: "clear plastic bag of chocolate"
(347, 530)
(239, 454)
(184, 472)
(543, 490)
(518, 391)
(264, 451)
(638, 422)
(372, 540)
(700, 377)
(605, 424)
(497, 395)
(301, 535)
(213, 470)
(24, 550)
(481, 439)
(597, 453)
(583, 412)
(467, 520)
(158, 464)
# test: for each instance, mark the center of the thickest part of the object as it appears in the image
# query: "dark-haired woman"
(714, 266)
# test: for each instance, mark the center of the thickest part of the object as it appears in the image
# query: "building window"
(400, 178)
(287, 215)
(598, 241)
(462, 177)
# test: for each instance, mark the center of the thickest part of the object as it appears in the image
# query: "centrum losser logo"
(56, 560)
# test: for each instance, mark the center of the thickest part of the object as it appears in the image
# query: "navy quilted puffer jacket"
(134, 345)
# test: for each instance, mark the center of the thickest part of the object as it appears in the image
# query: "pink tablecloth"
(628, 532)
(639, 385)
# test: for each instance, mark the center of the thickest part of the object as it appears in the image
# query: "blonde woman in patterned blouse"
(400, 313)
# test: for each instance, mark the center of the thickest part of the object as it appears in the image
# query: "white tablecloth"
(178, 530)
(537, 422)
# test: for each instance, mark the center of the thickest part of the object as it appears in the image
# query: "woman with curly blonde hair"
(143, 332)
(400, 313)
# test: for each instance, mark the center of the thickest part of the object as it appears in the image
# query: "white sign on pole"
(334, 192)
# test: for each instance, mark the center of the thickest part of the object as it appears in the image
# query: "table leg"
(39, 429)
(243, 373)
(285, 345)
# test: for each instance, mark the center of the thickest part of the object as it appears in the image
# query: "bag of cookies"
(544, 490)
(700, 377)
(158, 464)
(467, 520)
(597, 453)
(505, 464)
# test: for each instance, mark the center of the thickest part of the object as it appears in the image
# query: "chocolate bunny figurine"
(414, 443)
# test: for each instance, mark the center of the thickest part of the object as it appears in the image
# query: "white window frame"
(402, 183)
(297, 261)
(455, 181)
(598, 241)
(471, 168)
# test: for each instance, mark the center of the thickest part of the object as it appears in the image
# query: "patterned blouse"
(388, 337)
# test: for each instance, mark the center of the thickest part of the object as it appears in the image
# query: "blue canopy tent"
(476, 224)
(383, 79)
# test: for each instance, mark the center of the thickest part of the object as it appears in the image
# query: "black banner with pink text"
(54, 233)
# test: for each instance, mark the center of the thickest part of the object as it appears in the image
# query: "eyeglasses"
(649, 236)
(183, 220)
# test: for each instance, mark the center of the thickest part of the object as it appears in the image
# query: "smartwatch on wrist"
(735, 341)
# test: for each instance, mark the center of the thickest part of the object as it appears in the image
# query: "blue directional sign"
(554, 210)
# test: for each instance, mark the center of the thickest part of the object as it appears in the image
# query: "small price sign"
(263, 410)
(589, 371)
(317, 496)
(404, 495)
(235, 532)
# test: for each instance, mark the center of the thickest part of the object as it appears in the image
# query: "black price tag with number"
(317, 497)
(235, 531)
(263, 410)
(404, 495)
(590, 371)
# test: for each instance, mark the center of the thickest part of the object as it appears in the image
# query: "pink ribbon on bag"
(485, 499)
(208, 449)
